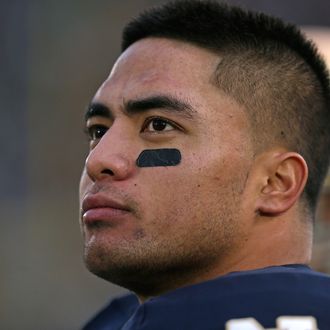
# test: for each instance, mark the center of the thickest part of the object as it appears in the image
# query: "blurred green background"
(53, 56)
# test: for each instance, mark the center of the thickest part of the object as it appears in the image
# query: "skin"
(222, 209)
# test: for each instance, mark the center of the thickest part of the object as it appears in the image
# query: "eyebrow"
(96, 109)
(165, 102)
(132, 107)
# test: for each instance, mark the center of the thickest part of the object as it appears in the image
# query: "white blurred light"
(321, 37)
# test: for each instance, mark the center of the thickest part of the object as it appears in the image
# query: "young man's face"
(144, 226)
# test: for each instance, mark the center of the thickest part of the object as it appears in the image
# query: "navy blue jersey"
(262, 294)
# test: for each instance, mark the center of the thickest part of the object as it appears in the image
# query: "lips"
(98, 208)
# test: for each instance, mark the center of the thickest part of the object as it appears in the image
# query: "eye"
(95, 132)
(157, 124)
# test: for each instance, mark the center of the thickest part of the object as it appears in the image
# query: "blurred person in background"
(321, 249)
(209, 143)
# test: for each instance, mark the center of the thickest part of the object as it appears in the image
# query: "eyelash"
(149, 120)
(92, 130)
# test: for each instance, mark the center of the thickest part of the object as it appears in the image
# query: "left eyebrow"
(168, 103)
(96, 109)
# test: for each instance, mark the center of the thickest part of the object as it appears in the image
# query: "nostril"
(108, 172)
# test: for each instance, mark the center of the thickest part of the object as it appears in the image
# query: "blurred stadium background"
(53, 56)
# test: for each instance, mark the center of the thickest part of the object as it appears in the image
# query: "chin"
(145, 274)
(135, 276)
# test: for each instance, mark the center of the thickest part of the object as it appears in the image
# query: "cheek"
(174, 193)
(200, 179)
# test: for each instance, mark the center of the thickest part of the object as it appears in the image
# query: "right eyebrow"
(136, 106)
(96, 109)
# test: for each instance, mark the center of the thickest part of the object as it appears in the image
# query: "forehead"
(161, 65)
(157, 66)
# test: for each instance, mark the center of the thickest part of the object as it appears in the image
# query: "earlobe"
(286, 178)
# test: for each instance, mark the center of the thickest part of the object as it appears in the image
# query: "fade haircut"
(267, 66)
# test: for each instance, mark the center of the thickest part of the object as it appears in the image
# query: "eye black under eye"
(95, 132)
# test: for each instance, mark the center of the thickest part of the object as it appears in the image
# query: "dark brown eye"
(159, 125)
(96, 132)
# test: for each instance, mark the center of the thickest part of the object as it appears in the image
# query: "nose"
(110, 158)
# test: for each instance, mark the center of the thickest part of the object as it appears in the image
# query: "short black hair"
(266, 65)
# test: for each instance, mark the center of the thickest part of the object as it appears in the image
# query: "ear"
(284, 178)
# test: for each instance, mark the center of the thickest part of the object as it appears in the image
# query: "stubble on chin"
(150, 266)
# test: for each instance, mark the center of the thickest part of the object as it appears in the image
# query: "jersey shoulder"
(114, 314)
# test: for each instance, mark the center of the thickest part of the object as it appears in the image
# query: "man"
(209, 142)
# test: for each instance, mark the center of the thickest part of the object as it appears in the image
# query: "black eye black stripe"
(159, 157)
